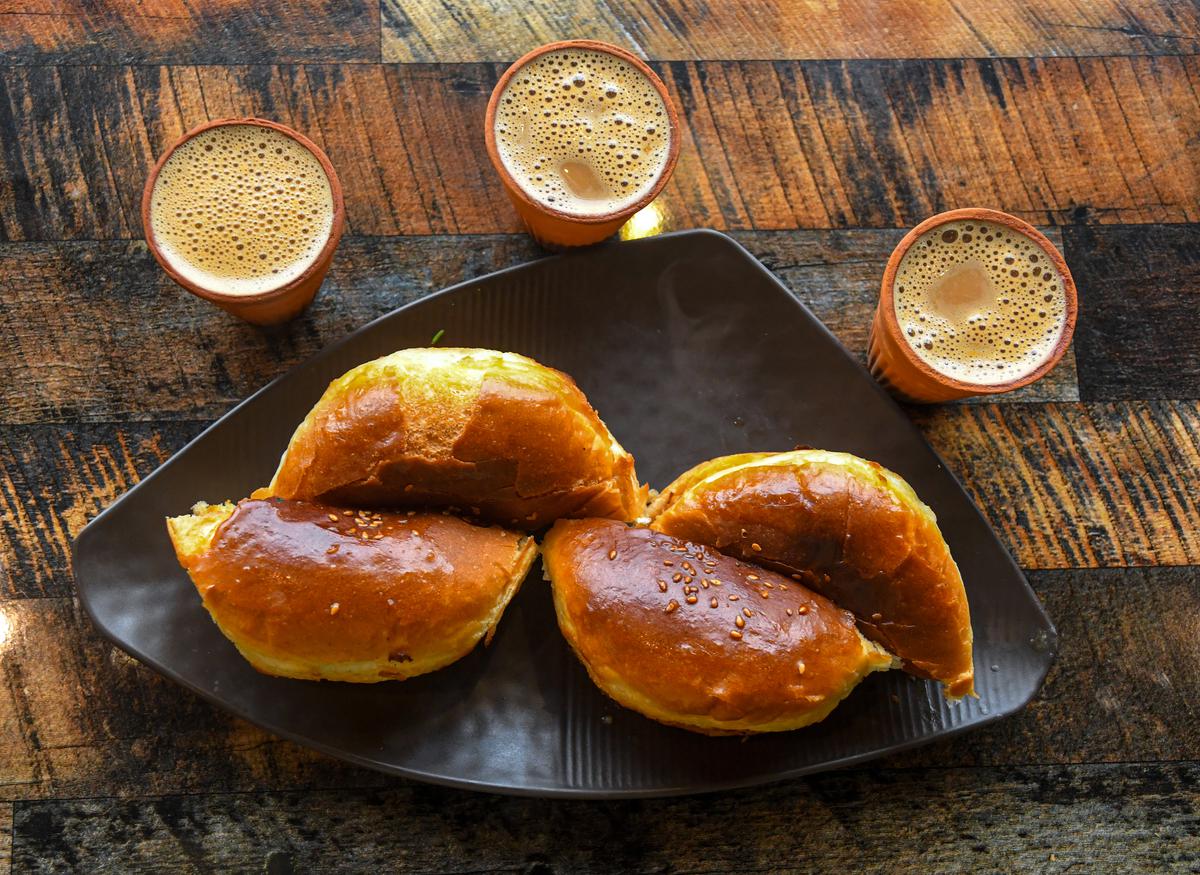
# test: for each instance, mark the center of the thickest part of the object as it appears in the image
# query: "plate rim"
(88, 532)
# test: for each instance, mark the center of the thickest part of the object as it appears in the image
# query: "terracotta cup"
(274, 305)
(897, 366)
(556, 228)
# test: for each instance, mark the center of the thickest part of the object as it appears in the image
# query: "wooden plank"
(1078, 485)
(6, 820)
(176, 31)
(766, 146)
(80, 719)
(98, 332)
(785, 29)
(53, 481)
(1139, 325)
(1137, 818)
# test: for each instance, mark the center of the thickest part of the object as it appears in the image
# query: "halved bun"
(493, 433)
(316, 592)
(692, 638)
(849, 528)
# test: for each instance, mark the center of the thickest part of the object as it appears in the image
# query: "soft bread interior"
(192, 533)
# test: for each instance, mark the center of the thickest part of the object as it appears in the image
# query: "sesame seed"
(333, 517)
(783, 587)
(687, 566)
(803, 609)
(756, 548)
(662, 586)
(334, 608)
(734, 598)
(797, 577)
(715, 582)
(739, 622)
(764, 594)
(704, 583)
(672, 606)
(408, 488)
(768, 584)
(668, 562)
(379, 536)
(332, 549)
(347, 513)
(713, 602)
(676, 577)
(752, 576)
(691, 600)
(612, 554)
(391, 601)
(735, 635)
(876, 616)
(789, 612)
(800, 666)
(749, 613)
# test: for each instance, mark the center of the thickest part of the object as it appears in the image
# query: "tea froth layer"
(241, 209)
(583, 132)
(979, 302)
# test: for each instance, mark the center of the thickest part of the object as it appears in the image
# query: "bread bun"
(493, 433)
(695, 639)
(850, 529)
(315, 592)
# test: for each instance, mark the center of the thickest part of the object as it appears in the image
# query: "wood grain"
(1139, 323)
(175, 31)
(81, 719)
(766, 145)
(1078, 485)
(98, 331)
(438, 30)
(1131, 818)
(6, 819)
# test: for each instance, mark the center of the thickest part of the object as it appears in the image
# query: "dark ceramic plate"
(689, 349)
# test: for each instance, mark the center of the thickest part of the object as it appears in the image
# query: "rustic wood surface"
(815, 134)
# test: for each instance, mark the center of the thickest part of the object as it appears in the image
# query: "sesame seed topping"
(797, 577)
(800, 666)
(768, 584)
(332, 549)
(672, 606)
(734, 598)
(691, 600)
(749, 613)
(408, 488)
(704, 583)
(668, 562)
(739, 622)
(756, 548)
(391, 601)
(676, 577)
(713, 602)
(612, 554)
(662, 586)
(347, 513)
(735, 635)
(876, 616)
(765, 594)
(752, 576)
(687, 566)
(333, 517)
(789, 612)
(334, 608)
(783, 587)
(803, 609)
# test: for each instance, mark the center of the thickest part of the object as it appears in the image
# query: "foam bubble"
(241, 209)
(979, 302)
(582, 131)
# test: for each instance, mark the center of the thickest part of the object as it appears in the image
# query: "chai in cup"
(245, 213)
(973, 302)
(583, 135)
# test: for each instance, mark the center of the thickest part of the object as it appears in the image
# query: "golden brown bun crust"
(495, 434)
(793, 657)
(307, 591)
(853, 531)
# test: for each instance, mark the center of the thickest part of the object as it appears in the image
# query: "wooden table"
(814, 137)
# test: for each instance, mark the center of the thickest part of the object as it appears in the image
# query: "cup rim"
(887, 305)
(318, 263)
(597, 46)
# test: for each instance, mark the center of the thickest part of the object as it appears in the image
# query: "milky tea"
(241, 209)
(582, 132)
(979, 302)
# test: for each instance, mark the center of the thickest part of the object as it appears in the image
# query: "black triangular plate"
(689, 348)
